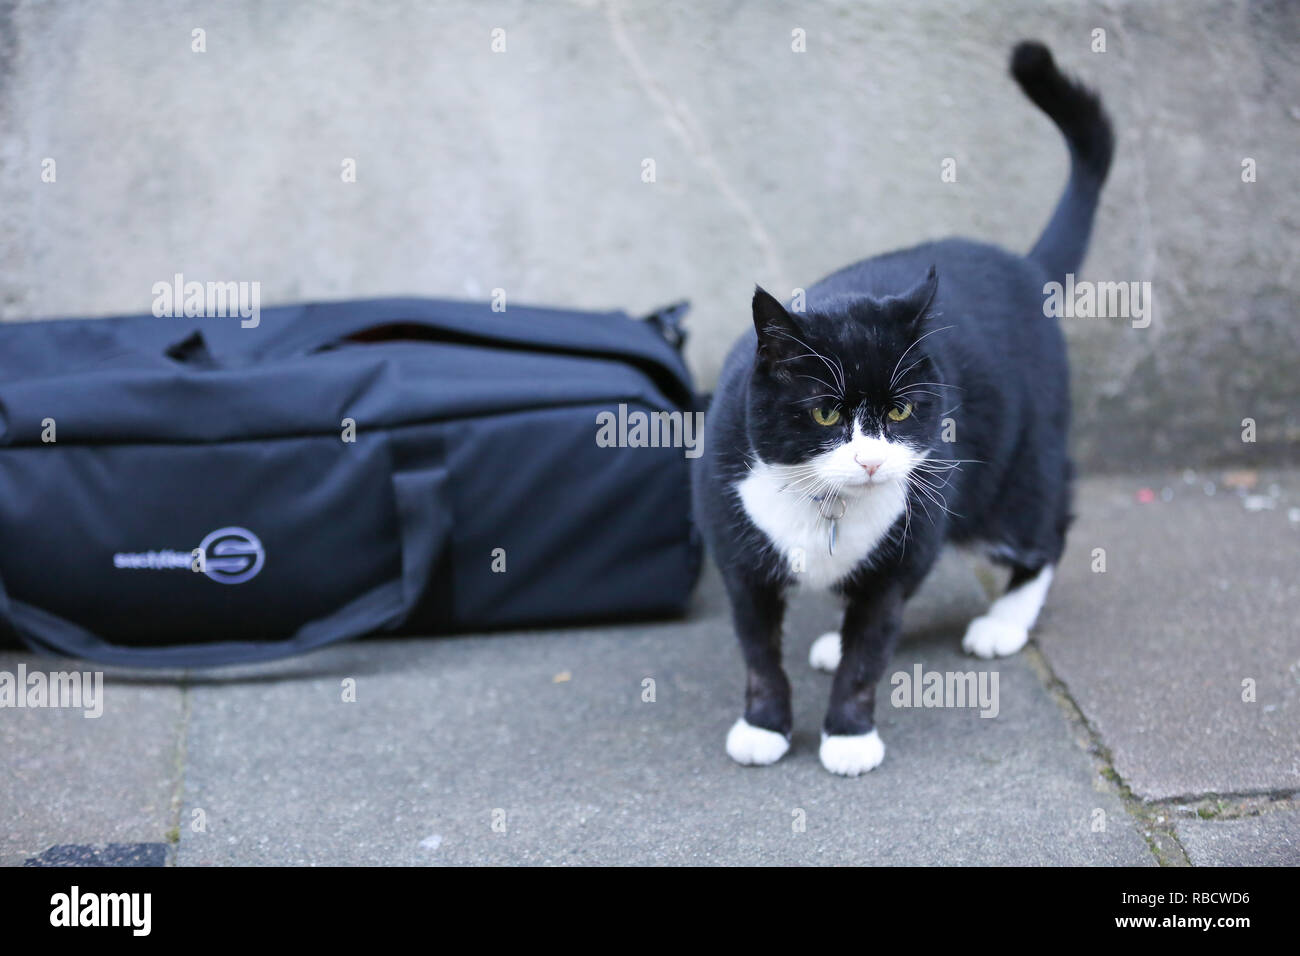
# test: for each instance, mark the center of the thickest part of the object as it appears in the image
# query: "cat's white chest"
(801, 535)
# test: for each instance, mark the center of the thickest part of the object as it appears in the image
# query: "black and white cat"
(921, 397)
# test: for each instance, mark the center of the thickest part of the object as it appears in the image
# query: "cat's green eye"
(826, 416)
(899, 412)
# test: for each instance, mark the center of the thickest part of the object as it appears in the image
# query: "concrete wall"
(522, 170)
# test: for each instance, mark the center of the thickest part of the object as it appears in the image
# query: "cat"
(919, 398)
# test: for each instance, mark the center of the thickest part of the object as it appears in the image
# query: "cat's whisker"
(894, 377)
(955, 463)
(934, 495)
(943, 477)
(920, 474)
(906, 370)
(907, 526)
(806, 486)
(935, 487)
(836, 372)
(813, 398)
(925, 508)
(938, 468)
(823, 383)
(923, 500)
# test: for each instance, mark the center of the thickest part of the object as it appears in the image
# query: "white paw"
(989, 637)
(754, 746)
(850, 756)
(825, 652)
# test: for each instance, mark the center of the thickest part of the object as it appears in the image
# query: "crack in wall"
(681, 122)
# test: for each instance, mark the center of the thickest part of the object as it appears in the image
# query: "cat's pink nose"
(870, 464)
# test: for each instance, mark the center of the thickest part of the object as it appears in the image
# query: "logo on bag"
(228, 555)
(232, 555)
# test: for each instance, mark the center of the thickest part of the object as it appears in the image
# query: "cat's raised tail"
(1078, 113)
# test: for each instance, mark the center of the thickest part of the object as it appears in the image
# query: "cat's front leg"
(762, 736)
(872, 625)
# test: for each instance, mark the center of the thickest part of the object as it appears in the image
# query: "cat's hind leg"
(1004, 628)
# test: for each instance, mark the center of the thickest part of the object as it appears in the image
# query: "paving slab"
(74, 783)
(1184, 653)
(1271, 839)
(544, 748)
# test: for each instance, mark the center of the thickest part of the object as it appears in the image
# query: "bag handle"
(651, 345)
(424, 526)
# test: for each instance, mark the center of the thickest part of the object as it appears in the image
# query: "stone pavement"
(1121, 737)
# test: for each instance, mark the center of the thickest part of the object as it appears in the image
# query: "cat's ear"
(914, 304)
(778, 334)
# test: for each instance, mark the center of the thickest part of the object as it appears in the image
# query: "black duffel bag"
(189, 492)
